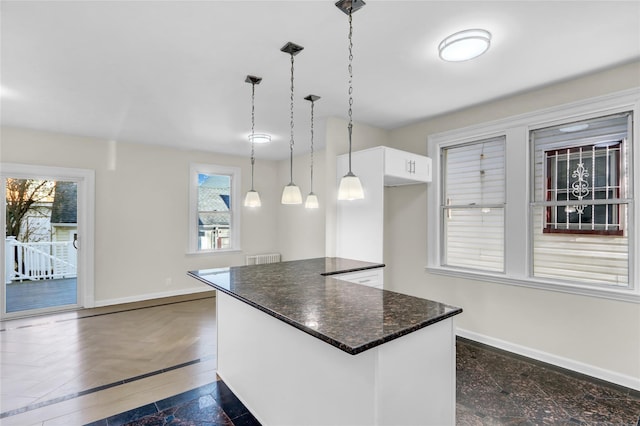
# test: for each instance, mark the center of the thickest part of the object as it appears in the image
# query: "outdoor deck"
(26, 295)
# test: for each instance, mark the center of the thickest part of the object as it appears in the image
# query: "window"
(472, 207)
(214, 212)
(543, 200)
(580, 204)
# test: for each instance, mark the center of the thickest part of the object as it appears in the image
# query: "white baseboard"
(150, 296)
(570, 364)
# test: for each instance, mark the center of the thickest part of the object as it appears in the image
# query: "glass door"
(40, 247)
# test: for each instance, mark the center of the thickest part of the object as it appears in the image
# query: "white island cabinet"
(300, 347)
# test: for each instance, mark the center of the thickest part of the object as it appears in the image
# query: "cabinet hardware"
(411, 166)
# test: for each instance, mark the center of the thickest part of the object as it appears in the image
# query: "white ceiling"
(172, 72)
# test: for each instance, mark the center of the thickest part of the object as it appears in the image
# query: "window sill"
(624, 295)
(214, 252)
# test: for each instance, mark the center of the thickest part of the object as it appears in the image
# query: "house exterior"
(64, 212)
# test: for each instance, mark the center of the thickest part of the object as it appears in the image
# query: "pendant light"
(312, 199)
(252, 199)
(291, 193)
(350, 186)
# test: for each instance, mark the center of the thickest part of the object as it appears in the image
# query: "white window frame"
(234, 227)
(518, 251)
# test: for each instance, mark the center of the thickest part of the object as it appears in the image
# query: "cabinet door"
(421, 168)
(369, 277)
(405, 168)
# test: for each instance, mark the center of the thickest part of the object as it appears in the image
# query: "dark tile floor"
(210, 405)
(493, 388)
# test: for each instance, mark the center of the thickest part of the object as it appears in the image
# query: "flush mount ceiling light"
(291, 193)
(464, 45)
(259, 138)
(350, 186)
(252, 199)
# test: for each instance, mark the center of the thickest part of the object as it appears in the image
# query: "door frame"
(85, 179)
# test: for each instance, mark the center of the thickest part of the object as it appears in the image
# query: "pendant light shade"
(291, 193)
(350, 187)
(312, 199)
(252, 199)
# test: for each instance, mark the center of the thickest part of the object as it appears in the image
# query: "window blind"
(473, 205)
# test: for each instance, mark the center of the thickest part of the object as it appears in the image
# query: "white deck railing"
(37, 261)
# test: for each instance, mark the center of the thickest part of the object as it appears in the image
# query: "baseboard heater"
(259, 259)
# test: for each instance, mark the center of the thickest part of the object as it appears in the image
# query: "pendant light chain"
(312, 198)
(253, 121)
(291, 140)
(312, 102)
(350, 126)
(350, 187)
(252, 199)
(291, 193)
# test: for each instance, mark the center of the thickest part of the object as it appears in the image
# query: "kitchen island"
(299, 346)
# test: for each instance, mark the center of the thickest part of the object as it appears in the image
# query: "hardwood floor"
(78, 367)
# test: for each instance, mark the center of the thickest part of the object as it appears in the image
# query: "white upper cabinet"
(405, 168)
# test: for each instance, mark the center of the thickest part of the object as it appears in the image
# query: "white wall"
(301, 231)
(142, 196)
(604, 335)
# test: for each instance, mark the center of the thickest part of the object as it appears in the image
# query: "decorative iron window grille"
(590, 176)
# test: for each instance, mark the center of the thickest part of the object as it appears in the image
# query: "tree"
(24, 195)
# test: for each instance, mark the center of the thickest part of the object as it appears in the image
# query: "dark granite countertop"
(302, 293)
